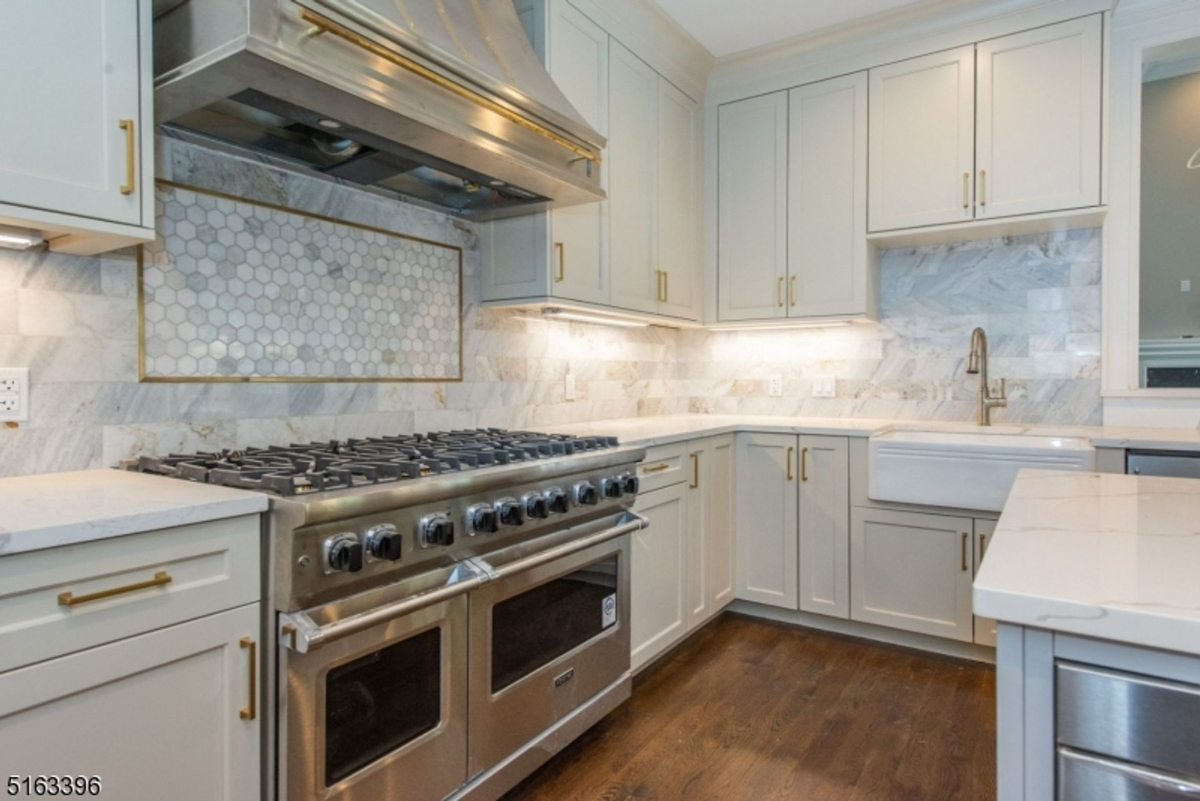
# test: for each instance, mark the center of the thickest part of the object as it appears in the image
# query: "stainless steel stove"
(451, 608)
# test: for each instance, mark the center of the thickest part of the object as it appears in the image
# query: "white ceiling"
(726, 27)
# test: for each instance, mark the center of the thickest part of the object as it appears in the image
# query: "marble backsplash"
(72, 321)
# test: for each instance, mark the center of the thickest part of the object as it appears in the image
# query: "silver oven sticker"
(610, 611)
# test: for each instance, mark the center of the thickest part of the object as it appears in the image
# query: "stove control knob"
(558, 502)
(343, 553)
(585, 493)
(612, 487)
(630, 483)
(482, 518)
(510, 511)
(384, 542)
(435, 529)
(535, 505)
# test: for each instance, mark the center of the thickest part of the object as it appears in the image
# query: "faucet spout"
(977, 365)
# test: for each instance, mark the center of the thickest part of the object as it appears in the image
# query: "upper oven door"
(543, 642)
(380, 713)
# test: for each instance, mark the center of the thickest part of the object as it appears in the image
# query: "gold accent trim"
(658, 468)
(790, 451)
(161, 578)
(130, 184)
(250, 711)
(376, 49)
(141, 299)
(804, 464)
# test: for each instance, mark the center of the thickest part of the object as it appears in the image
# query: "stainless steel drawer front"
(1082, 777)
(1132, 718)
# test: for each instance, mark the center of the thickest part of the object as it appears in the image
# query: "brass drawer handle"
(69, 599)
(130, 158)
(966, 190)
(790, 451)
(658, 468)
(982, 546)
(792, 291)
(658, 293)
(666, 286)
(779, 292)
(983, 187)
(250, 712)
(561, 249)
(804, 464)
(695, 471)
(965, 537)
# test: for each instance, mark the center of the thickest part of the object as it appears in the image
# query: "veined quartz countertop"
(55, 509)
(1108, 556)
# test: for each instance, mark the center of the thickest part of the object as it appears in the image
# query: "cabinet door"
(766, 533)
(632, 151)
(752, 142)
(578, 62)
(710, 524)
(827, 198)
(985, 628)
(825, 526)
(922, 135)
(911, 571)
(1039, 120)
(72, 76)
(659, 569)
(678, 203)
(159, 710)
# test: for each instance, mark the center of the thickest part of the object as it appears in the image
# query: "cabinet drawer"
(1085, 777)
(664, 466)
(62, 600)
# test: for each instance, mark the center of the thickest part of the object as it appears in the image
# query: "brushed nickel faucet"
(977, 364)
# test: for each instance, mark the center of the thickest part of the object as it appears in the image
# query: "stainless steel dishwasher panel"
(1179, 464)
(1083, 777)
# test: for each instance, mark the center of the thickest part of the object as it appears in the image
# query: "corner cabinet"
(76, 135)
(767, 541)
(638, 252)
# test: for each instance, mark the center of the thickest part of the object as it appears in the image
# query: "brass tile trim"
(141, 306)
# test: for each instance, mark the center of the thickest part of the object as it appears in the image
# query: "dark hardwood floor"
(749, 709)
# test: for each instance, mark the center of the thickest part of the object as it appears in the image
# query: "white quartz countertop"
(1109, 556)
(54, 509)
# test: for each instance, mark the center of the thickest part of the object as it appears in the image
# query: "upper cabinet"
(636, 253)
(1008, 127)
(76, 142)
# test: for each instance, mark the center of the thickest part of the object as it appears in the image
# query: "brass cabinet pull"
(779, 292)
(790, 451)
(250, 711)
(658, 468)
(69, 599)
(130, 166)
(966, 190)
(982, 545)
(561, 249)
(666, 286)
(804, 464)
(695, 471)
(983, 187)
(792, 291)
(965, 537)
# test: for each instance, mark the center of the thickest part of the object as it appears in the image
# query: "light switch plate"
(775, 386)
(825, 386)
(14, 394)
(569, 386)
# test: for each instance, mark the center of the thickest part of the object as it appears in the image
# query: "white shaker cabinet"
(678, 204)
(711, 580)
(76, 141)
(825, 526)
(766, 529)
(176, 708)
(985, 628)
(922, 141)
(752, 184)
(658, 562)
(1038, 126)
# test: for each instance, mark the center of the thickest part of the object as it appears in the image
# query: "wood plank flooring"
(750, 710)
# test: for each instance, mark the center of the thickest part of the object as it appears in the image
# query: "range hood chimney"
(442, 102)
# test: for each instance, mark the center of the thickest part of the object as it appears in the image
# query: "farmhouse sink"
(965, 470)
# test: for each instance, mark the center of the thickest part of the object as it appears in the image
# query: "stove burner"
(320, 466)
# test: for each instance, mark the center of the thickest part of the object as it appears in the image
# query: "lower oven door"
(543, 642)
(379, 714)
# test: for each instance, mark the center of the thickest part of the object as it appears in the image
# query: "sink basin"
(965, 470)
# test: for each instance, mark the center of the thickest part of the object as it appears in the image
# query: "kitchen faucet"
(977, 364)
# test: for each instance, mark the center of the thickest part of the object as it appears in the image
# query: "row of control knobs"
(345, 553)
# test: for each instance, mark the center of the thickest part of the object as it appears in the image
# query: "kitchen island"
(1093, 580)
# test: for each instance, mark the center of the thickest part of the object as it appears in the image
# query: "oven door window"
(531, 630)
(381, 702)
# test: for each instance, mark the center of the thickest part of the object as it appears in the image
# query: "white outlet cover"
(825, 386)
(775, 386)
(1185, 286)
(14, 394)
(569, 386)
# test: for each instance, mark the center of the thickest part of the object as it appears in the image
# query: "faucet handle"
(1002, 396)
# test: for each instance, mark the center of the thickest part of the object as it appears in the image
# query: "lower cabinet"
(659, 573)
(175, 708)
(825, 526)
(711, 583)
(912, 572)
(985, 627)
(767, 541)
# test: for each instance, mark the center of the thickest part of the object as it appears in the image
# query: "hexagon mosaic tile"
(233, 291)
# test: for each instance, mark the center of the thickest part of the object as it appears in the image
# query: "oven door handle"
(298, 631)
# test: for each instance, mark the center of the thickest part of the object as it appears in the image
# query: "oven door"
(544, 640)
(380, 713)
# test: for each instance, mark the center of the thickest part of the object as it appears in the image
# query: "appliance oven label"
(609, 616)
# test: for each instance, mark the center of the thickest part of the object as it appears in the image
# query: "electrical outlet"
(569, 386)
(775, 386)
(824, 386)
(1185, 286)
(14, 394)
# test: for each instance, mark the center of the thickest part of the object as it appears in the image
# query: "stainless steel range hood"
(440, 101)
